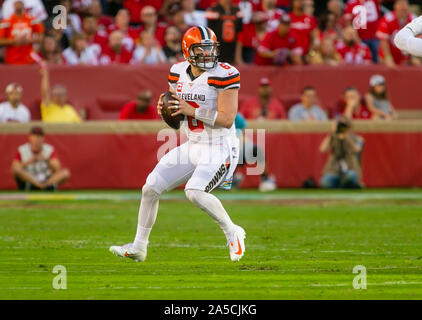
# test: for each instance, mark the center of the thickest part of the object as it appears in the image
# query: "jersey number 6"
(194, 124)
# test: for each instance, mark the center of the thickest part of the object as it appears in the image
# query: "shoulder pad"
(175, 71)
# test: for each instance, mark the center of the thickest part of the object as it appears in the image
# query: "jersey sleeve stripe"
(224, 83)
(173, 77)
(224, 78)
(235, 85)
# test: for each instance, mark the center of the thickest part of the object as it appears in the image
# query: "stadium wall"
(87, 85)
(121, 154)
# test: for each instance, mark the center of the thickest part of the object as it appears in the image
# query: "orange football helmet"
(200, 47)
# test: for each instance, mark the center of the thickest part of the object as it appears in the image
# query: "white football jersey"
(202, 92)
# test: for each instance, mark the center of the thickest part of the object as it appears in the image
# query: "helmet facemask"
(204, 55)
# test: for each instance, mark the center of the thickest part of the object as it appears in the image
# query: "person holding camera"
(342, 169)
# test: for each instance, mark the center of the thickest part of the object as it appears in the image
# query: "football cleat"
(236, 243)
(129, 251)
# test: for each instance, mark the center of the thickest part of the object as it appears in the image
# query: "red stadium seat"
(35, 109)
(107, 107)
(289, 101)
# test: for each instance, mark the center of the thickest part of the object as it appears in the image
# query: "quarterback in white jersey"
(406, 39)
(206, 93)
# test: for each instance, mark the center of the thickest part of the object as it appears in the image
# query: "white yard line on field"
(256, 196)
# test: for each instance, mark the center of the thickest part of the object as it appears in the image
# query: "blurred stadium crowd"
(263, 32)
(251, 32)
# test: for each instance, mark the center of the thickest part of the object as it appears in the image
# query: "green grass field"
(300, 245)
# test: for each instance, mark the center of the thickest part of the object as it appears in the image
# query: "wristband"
(206, 116)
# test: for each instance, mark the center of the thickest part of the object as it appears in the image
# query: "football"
(173, 122)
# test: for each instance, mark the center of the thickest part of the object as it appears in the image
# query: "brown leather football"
(173, 122)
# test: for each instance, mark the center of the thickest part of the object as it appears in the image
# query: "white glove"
(415, 25)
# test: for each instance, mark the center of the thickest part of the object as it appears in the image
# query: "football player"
(406, 38)
(206, 92)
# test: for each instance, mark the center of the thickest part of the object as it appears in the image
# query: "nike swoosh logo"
(230, 73)
(240, 248)
(128, 254)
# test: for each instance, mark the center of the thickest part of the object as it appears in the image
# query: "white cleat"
(236, 243)
(128, 251)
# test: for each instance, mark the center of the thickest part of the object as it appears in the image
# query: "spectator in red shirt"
(149, 23)
(284, 4)
(36, 165)
(272, 13)
(279, 46)
(251, 36)
(366, 32)
(304, 27)
(121, 22)
(96, 39)
(352, 50)
(205, 4)
(96, 10)
(327, 27)
(18, 33)
(136, 6)
(389, 25)
(264, 17)
(115, 51)
(139, 109)
(353, 105)
(263, 106)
